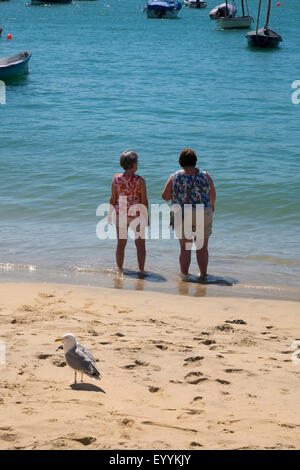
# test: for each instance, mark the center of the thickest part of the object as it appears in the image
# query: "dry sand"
(176, 375)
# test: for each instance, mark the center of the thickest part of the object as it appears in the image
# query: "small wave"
(12, 267)
(273, 259)
(83, 270)
(270, 288)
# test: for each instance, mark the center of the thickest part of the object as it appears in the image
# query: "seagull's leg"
(81, 377)
(75, 381)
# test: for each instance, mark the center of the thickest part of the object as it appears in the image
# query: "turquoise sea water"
(104, 78)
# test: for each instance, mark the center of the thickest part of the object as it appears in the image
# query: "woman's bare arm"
(112, 202)
(167, 192)
(144, 198)
(212, 192)
(114, 195)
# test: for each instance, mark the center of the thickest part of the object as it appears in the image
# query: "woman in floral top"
(193, 186)
(128, 195)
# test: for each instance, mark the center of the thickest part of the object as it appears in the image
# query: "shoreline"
(177, 372)
(176, 284)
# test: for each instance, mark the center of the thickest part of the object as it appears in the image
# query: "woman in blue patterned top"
(192, 186)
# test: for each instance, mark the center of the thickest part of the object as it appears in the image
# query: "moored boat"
(243, 21)
(195, 4)
(225, 9)
(50, 2)
(235, 23)
(14, 66)
(264, 37)
(163, 8)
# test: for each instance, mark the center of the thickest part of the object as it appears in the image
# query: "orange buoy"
(9, 36)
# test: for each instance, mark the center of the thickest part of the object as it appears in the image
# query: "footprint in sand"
(136, 363)
(197, 398)
(28, 308)
(225, 327)
(127, 422)
(208, 342)
(58, 362)
(223, 382)
(161, 347)
(236, 322)
(194, 378)
(29, 411)
(192, 412)
(195, 444)
(45, 295)
(191, 360)
(8, 436)
(93, 333)
(43, 356)
(85, 440)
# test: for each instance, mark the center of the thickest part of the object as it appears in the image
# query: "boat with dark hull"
(14, 65)
(51, 2)
(163, 8)
(263, 37)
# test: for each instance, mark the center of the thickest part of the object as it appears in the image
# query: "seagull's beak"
(58, 339)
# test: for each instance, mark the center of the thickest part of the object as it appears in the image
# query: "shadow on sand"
(145, 276)
(86, 387)
(210, 280)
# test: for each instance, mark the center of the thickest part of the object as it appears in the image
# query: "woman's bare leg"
(185, 255)
(202, 258)
(121, 245)
(141, 252)
(120, 252)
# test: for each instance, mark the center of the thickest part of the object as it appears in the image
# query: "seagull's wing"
(86, 352)
(82, 360)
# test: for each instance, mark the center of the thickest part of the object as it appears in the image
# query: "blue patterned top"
(198, 195)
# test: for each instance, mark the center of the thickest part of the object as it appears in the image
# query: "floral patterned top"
(127, 185)
(183, 193)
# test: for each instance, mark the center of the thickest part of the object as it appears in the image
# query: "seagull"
(79, 357)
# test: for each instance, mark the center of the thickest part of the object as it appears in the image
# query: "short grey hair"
(127, 159)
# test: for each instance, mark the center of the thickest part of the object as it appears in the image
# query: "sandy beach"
(177, 372)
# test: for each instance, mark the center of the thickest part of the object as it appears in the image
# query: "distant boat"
(14, 65)
(163, 8)
(243, 21)
(225, 9)
(50, 2)
(264, 37)
(195, 4)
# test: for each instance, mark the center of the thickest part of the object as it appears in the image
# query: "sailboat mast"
(243, 8)
(258, 15)
(226, 7)
(268, 15)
